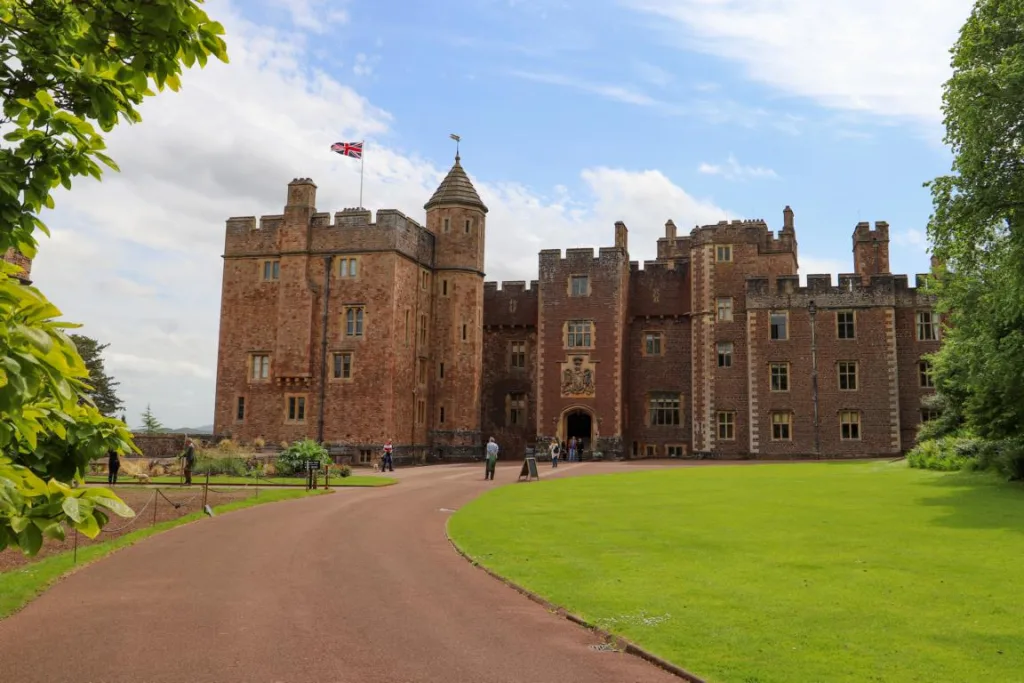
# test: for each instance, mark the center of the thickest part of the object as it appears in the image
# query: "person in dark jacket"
(189, 461)
(113, 466)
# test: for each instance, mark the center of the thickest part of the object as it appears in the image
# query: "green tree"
(66, 68)
(977, 227)
(151, 425)
(102, 391)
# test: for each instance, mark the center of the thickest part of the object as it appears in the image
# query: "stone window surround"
(585, 277)
(920, 325)
(784, 366)
(723, 253)
(671, 402)
(677, 446)
(852, 323)
(345, 267)
(252, 365)
(729, 424)
(856, 375)
(785, 325)
(591, 330)
(514, 354)
(513, 404)
(351, 365)
(301, 406)
(723, 309)
(359, 322)
(785, 420)
(925, 376)
(659, 335)
(269, 270)
(724, 350)
(849, 417)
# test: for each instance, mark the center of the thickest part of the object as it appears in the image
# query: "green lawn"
(197, 479)
(20, 586)
(837, 572)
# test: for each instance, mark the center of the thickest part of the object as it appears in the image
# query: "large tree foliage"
(978, 223)
(102, 386)
(66, 68)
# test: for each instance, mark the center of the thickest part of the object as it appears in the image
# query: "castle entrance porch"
(578, 422)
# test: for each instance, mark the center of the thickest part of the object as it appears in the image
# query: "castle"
(352, 332)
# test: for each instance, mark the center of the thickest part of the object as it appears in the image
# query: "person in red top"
(387, 463)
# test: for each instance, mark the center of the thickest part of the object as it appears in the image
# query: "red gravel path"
(357, 587)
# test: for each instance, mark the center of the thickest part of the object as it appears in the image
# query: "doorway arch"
(577, 421)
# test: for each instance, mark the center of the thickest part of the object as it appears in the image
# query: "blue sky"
(573, 114)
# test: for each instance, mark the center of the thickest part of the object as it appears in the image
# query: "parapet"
(745, 231)
(850, 292)
(863, 232)
(511, 303)
(350, 228)
(660, 288)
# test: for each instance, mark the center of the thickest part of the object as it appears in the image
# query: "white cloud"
(136, 258)
(733, 170)
(910, 238)
(363, 65)
(618, 93)
(313, 15)
(879, 56)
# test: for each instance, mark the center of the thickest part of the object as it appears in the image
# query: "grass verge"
(354, 480)
(819, 572)
(19, 586)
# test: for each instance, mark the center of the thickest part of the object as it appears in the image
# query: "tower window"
(442, 414)
(447, 225)
(296, 409)
(354, 321)
(440, 370)
(240, 414)
(260, 365)
(444, 288)
(467, 226)
(343, 366)
(780, 325)
(725, 354)
(518, 354)
(464, 331)
(271, 271)
(579, 285)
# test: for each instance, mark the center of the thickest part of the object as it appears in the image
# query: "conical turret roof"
(456, 189)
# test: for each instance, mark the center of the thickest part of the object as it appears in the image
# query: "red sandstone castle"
(354, 331)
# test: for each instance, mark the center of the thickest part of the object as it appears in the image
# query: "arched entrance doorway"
(579, 422)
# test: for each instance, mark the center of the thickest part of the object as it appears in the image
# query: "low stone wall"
(160, 445)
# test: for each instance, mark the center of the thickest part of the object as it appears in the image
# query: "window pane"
(353, 267)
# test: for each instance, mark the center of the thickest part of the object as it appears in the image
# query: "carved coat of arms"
(578, 380)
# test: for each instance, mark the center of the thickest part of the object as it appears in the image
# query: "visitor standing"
(388, 463)
(113, 466)
(572, 449)
(492, 459)
(189, 461)
(554, 452)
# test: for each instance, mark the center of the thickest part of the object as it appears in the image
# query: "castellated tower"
(457, 218)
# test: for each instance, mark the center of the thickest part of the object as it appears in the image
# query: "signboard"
(312, 464)
(529, 469)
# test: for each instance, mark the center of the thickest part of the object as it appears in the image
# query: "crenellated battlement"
(745, 231)
(348, 228)
(511, 303)
(863, 232)
(850, 292)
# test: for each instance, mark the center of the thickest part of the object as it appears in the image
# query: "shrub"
(228, 446)
(948, 454)
(258, 443)
(208, 462)
(292, 458)
(343, 471)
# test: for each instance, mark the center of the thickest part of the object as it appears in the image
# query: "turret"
(457, 218)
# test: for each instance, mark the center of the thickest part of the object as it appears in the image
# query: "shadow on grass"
(977, 500)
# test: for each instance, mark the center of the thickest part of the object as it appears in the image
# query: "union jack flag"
(348, 149)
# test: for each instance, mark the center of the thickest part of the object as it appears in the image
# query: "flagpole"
(362, 161)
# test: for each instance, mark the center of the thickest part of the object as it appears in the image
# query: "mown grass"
(198, 479)
(19, 586)
(838, 572)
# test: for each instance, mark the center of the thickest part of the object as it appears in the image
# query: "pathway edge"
(627, 645)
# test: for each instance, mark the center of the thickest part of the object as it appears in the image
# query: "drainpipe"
(323, 348)
(812, 309)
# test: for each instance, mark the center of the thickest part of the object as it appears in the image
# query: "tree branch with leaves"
(66, 68)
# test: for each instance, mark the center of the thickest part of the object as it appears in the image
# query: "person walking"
(113, 466)
(189, 461)
(492, 459)
(553, 448)
(388, 463)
